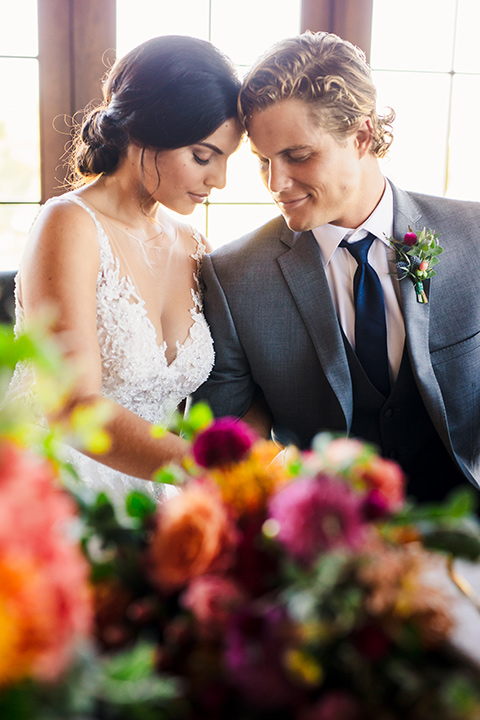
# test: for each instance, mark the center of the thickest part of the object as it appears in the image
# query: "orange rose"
(194, 535)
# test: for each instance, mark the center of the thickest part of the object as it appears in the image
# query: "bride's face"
(181, 179)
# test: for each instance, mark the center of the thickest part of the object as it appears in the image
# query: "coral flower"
(194, 535)
(45, 603)
(387, 478)
(317, 514)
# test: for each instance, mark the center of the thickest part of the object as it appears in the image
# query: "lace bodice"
(135, 371)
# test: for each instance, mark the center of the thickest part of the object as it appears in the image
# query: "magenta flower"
(375, 506)
(410, 239)
(318, 514)
(226, 441)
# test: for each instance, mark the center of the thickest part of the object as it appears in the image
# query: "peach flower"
(194, 535)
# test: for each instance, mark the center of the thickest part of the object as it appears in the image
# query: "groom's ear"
(364, 136)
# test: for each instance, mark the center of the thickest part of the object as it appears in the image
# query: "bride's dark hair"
(168, 92)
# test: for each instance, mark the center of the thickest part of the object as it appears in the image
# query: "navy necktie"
(370, 325)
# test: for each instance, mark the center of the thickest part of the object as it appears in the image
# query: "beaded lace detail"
(135, 371)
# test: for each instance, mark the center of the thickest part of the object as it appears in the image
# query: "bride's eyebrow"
(211, 147)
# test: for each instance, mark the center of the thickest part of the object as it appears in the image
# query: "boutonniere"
(417, 253)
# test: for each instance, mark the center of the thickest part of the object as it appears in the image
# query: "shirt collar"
(379, 223)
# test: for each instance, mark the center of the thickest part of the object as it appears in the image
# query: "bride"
(121, 273)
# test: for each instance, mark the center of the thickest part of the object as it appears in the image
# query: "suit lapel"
(304, 274)
(417, 321)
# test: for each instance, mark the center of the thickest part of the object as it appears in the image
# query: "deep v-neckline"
(126, 281)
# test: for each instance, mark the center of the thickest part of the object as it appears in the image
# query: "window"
(426, 65)
(19, 130)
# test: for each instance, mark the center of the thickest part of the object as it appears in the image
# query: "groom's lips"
(293, 203)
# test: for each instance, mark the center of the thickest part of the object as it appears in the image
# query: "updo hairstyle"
(169, 92)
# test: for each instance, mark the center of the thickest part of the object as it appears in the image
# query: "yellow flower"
(304, 667)
(247, 485)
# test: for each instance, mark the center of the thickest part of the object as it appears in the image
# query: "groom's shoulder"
(444, 208)
(264, 240)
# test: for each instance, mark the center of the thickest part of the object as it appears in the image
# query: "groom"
(321, 334)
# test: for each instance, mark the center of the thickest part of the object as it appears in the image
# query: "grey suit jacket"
(274, 326)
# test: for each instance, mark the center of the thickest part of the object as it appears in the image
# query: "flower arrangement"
(294, 589)
(291, 586)
(417, 253)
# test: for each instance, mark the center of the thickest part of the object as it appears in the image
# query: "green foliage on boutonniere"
(417, 254)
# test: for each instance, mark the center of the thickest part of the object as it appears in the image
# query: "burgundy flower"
(410, 239)
(372, 642)
(318, 514)
(334, 705)
(255, 644)
(226, 441)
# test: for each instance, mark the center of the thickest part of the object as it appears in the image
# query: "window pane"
(417, 158)
(229, 222)
(19, 131)
(463, 176)
(15, 224)
(143, 19)
(18, 29)
(246, 30)
(244, 183)
(467, 57)
(413, 34)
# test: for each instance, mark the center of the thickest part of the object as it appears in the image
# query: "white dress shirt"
(340, 268)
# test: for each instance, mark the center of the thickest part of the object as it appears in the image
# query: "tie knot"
(360, 248)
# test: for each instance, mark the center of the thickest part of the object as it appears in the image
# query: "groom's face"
(313, 177)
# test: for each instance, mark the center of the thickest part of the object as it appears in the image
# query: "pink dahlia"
(316, 515)
(212, 599)
(226, 441)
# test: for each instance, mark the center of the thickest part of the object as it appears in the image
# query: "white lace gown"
(135, 370)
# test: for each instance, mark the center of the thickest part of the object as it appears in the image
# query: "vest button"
(388, 412)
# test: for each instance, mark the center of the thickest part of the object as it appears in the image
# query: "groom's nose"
(278, 177)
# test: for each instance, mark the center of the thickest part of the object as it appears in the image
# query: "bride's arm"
(59, 269)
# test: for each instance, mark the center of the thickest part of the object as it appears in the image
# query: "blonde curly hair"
(328, 73)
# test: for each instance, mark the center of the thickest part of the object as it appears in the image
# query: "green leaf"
(139, 505)
(170, 475)
(460, 544)
(130, 677)
(200, 416)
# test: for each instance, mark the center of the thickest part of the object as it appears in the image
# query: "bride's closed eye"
(201, 161)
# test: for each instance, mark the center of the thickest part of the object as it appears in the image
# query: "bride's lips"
(293, 203)
(198, 198)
